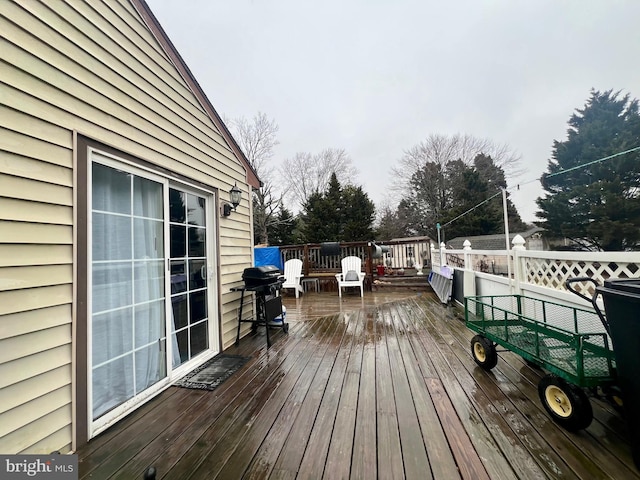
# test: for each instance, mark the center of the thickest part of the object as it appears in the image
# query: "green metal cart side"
(571, 343)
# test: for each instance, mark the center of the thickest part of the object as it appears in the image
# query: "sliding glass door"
(149, 294)
(128, 316)
(189, 275)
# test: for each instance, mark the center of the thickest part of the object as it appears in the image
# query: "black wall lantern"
(235, 195)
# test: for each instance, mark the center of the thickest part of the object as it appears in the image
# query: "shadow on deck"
(380, 387)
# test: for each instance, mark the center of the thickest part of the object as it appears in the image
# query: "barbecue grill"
(265, 278)
(266, 282)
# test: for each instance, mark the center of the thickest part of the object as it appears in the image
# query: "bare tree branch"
(313, 172)
(257, 139)
(441, 149)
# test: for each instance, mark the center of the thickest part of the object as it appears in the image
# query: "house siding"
(96, 69)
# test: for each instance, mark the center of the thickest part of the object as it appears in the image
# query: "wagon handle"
(569, 284)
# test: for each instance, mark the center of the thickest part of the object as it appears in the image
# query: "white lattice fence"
(553, 269)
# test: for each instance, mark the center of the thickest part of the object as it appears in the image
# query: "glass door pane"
(188, 263)
(128, 327)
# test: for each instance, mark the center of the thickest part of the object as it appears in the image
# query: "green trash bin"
(622, 306)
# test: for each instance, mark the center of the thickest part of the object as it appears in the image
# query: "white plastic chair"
(351, 275)
(293, 275)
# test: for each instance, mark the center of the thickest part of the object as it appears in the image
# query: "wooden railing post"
(305, 260)
(369, 263)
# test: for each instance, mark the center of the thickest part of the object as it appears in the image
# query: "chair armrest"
(339, 277)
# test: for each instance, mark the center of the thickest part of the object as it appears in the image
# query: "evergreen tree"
(282, 231)
(358, 214)
(469, 190)
(439, 193)
(333, 208)
(390, 225)
(338, 215)
(316, 217)
(597, 206)
(496, 179)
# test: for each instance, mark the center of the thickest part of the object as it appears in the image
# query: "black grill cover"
(260, 276)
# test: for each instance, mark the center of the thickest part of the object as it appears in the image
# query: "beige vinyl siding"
(14, 278)
(22, 439)
(38, 423)
(26, 189)
(37, 364)
(21, 323)
(35, 212)
(102, 83)
(25, 167)
(22, 232)
(52, 402)
(94, 68)
(13, 301)
(30, 147)
(13, 255)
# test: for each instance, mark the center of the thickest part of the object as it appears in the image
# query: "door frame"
(81, 380)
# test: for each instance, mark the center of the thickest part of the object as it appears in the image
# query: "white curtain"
(128, 326)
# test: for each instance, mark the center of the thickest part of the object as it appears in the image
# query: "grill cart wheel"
(567, 404)
(484, 352)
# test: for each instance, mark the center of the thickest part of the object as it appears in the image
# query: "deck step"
(401, 282)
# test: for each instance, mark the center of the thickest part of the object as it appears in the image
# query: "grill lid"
(264, 276)
(265, 272)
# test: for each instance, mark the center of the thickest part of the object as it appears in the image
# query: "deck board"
(364, 459)
(317, 448)
(377, 387)
(338, 464)
(262, 447)
(388, 436)
(439, 458)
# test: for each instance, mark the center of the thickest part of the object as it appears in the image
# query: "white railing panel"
(553, 269)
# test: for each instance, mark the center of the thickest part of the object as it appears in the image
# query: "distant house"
(485, 261)
(115, 260)
(533, 241)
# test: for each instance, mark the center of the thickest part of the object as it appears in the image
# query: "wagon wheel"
(613, 395)
(484, 352)
(567, 404)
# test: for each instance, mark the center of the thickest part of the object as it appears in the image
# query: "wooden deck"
(382, 387)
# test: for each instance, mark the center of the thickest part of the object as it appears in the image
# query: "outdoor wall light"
(235, 195)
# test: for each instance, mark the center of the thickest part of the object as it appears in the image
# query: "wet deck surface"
(383, 387)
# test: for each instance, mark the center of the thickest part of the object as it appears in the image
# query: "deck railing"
(324, 259)
(533, 272)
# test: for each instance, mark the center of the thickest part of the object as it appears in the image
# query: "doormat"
(213, 372)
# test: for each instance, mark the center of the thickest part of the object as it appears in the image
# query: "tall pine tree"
(597, 206)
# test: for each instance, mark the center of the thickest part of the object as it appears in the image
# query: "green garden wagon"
(572, 344)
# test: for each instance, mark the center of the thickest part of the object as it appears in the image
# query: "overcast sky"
(376, 77)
